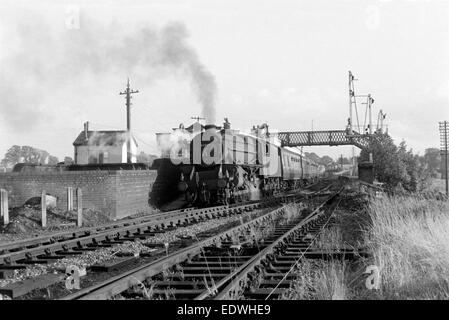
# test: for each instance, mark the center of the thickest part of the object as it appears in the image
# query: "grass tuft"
(409, 240)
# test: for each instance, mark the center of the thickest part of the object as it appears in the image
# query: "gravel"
(25, 222)
(90, 258)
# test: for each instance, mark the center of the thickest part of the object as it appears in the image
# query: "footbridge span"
(356, 133)
(323, 138)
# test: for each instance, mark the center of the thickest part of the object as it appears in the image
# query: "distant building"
(103, 147)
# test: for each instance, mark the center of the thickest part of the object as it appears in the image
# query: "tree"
(396, 165)
(432, 161)
(312, 156)
(326, 160)
(387, 167)
(26, 154)
(344, 160)
(68, 160)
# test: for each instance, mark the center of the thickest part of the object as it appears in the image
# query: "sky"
(281, 62)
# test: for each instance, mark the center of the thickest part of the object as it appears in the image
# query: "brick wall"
(117, 193)
(132, 191)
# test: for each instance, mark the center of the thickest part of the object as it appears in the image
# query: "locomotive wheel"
(191, 196)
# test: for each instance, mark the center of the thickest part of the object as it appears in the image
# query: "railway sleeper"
(205, 264)
(324, 255)
(183, 284)
(220, 258)
(263, 293)
(113, 264)
(285, 284)
(21, 288)
(33, 261)
(136, 237)
(106, 242)
(268, 275)
(67, 252)
(177, 293)
(198, 276)
(207, 269)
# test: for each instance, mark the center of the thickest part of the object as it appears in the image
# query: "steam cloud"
(45, 58)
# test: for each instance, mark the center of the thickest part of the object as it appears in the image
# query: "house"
(104, 146)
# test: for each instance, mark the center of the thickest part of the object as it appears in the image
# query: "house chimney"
(86, 129)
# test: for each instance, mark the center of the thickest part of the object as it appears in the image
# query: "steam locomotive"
(220, 165)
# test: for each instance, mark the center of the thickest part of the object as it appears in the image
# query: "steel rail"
(239, 276)
(86, 230)
(120, 283)
(14, 256)
(18, 250)
(302, 254)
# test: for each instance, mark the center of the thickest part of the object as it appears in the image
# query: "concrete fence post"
(44, 208)
(79, 206)
(4, 206)
(69, 199)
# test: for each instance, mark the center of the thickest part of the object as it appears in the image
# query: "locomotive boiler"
(220, 165)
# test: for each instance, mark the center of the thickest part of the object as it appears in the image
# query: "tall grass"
(409, 240)
(407, 237)
(329, 239)
(319, 280)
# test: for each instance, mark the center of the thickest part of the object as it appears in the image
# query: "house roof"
(102, 138)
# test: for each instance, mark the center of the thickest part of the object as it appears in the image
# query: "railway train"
(220, 165)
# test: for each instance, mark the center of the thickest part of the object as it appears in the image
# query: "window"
(267, 149)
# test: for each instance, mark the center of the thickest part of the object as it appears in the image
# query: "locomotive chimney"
(211, 126)
(226, 124)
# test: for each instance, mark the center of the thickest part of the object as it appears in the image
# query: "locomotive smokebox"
(211, 126)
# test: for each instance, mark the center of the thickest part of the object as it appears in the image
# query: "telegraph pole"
(128, 98)
(443, 148)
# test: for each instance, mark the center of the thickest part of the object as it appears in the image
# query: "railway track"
(269, 273)
(204, 269)
(59, 243)
(16, 255)
(44, 250)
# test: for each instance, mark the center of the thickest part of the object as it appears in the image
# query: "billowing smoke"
(176, 52)
(174, 141)
(44, 59)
